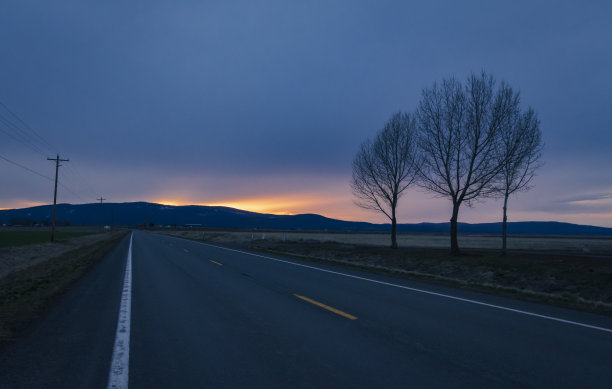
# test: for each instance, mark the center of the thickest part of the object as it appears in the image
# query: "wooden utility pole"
(57, 165)
(101, 199)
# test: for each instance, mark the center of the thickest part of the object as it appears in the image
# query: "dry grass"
(567, 245)
(24, 238)
(31, 285)
(15, 258)
(545, 269)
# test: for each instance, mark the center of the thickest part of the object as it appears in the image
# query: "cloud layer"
(237, 102)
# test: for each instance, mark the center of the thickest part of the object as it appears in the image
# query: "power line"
(26, 168)
(79, 177)
(44, 176)
(72, 192)
(19, 137)
(26, 125)
(16, 128)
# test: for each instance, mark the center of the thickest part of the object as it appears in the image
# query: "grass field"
(555, 244)
(574, 272)
(25, 237)
(27, 291)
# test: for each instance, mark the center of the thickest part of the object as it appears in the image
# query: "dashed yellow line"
(331, 309)
(215, 262)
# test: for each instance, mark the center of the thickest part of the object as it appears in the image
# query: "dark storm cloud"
(241, 89)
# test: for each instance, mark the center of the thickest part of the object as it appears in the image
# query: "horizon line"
(297, 214)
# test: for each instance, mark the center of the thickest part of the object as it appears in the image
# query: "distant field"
(24, 237)
(572, 245)
(573, 272)
(33, 275)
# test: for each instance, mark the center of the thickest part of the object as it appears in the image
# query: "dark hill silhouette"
(142, 213)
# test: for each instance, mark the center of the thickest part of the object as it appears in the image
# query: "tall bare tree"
(459, 128)
(385, 167)
(520, 150)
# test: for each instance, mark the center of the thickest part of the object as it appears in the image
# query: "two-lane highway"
(207, 316)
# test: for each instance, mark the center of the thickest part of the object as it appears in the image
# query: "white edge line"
(557, 319)
(120, 363)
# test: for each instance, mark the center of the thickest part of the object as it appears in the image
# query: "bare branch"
(384, 168)
(459, 127)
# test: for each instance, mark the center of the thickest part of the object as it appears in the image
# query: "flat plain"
(14, 237)
(33, 275)
(573, 272)
(553, 244)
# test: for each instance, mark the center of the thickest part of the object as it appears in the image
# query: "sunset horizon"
(287, 194)
(598, 220)
(239, 107)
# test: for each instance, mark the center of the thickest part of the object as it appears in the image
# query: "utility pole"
(57, 165)
(101, 199)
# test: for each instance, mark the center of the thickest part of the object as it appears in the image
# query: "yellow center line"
(185, 250)
(215, 262)
(334, 310)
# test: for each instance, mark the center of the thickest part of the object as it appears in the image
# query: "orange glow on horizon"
(171, 203)
(341, 207)
(253, 206)
(290, 205)
(22, 204)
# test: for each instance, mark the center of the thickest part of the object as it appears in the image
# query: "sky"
(262, 105)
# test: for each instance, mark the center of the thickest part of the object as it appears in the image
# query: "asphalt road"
(206, 316)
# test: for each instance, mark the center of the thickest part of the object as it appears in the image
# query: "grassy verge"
(579, 245)
(571, 281)
(26, 293)
(22, 238)
(567, 279)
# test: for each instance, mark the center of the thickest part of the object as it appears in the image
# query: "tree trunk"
(504, 225)
(393, 230)
(453, 230)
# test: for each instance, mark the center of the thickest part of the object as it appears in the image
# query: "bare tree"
(385, 167)
(459, 128)
(519, 150)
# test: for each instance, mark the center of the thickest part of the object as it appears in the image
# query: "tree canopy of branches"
(459, 128)
(385, 167)
(519, 150)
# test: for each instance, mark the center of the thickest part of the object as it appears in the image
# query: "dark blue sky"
(263, 104)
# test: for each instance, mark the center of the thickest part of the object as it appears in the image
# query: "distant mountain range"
(142, 213)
